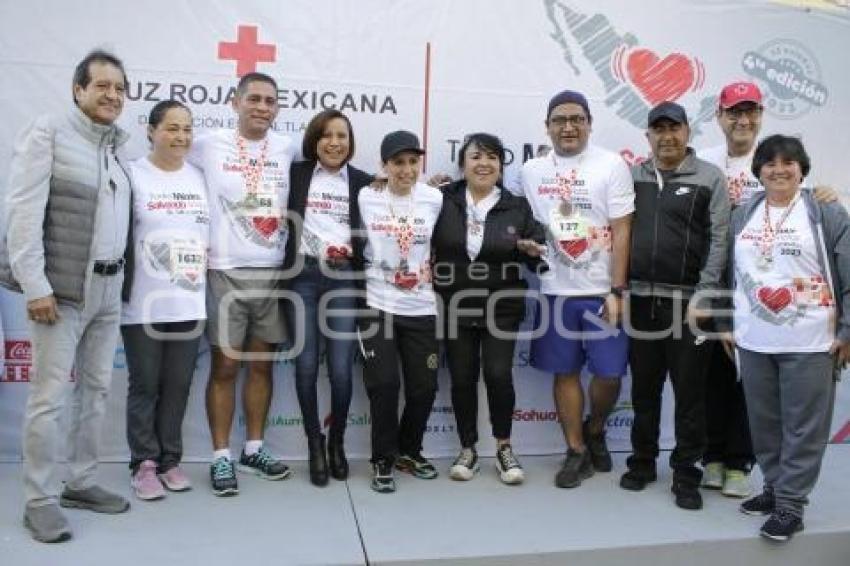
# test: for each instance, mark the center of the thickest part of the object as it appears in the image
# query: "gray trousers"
(160, 376)
(84, 340)
(789, 402)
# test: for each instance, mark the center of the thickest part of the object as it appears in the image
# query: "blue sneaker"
(223, 477)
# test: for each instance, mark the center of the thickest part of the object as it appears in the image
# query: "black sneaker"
(781, 526)
(465, 465)
(637, 480)
(223, 477)
(577, 467)
(417, 466)
(762, 504)
(382, 476)
(598, 448)
(687, 496)
(263, 464)
(509, 468)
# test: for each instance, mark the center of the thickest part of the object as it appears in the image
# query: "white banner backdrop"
(442, 69)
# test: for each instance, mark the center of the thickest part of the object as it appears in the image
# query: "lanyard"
(402, 226)
(769, 232)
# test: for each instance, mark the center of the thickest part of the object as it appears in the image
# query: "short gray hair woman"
(790, 273)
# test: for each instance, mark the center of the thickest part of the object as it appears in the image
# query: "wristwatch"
(619, 290)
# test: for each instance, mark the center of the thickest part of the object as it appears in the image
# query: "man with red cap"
(728, 454)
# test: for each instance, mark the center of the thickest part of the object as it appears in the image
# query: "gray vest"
(82, 152)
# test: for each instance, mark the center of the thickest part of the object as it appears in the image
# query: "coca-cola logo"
(18, 351)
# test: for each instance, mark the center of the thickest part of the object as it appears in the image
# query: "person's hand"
(43, 310)
(612, 309)
(727, 340)
(697, 314)
(825, 194)
(440, 179)
(841, 351)
(530, 248)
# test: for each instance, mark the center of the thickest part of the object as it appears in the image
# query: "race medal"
(250, 201)
(570, 233)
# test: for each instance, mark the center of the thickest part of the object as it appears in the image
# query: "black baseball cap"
(667, 110)
(396, 142)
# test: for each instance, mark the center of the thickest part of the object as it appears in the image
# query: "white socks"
(252, 447)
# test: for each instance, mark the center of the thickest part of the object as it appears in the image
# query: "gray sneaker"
(47, 523)
(577, 467)
(95, 499)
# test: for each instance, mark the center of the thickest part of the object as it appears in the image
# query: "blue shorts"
(571, 339)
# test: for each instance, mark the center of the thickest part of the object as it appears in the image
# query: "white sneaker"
(465, 465)
(736, 484)
(712, 475)
(510, 470)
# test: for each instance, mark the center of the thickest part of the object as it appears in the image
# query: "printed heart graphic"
(774, 299)
(406, 280)
(574, 248)
(337, 252)
(265, 225)
(660, 79)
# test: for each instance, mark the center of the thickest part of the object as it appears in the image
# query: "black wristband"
(618, 291)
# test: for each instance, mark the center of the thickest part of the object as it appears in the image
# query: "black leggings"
(473, 349)
(385, 340)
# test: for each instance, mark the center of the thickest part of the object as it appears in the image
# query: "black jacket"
(300, 176)
(498, 265)
(679, 233)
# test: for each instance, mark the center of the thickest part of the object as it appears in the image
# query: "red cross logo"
(246, 51)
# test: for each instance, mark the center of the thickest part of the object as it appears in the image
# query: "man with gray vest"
(68, 217)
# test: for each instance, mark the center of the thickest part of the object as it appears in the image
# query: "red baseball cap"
(739, 92)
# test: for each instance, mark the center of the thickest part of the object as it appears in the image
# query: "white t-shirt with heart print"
(171, 234)
(396, 282)
(788, 307)
(247, 228)
(579, 243)
(740, 180)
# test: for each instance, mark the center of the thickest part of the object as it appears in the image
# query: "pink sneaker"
(145, 484)
(175, 480)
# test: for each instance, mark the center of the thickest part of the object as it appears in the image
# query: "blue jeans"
(311, 284)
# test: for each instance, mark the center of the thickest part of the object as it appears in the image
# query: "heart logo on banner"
(265, 225)
(660, 79)
(574, 248)
(774, 299)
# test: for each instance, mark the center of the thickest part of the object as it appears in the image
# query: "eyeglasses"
(736, 114)
(573, 120)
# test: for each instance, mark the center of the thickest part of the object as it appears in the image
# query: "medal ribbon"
(252, 173)
(769, 232)
(402, 227)
(566, 182)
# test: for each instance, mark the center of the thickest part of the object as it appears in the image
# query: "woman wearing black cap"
(482, 239)
(394, 248)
